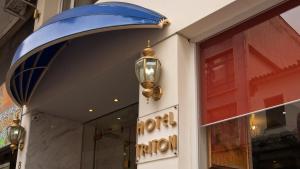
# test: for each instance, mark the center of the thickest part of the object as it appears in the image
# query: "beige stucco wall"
(199, 19)
(178, 82)
(181, 13)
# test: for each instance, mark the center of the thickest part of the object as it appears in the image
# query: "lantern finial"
(17, 115)
(148, 51)
(17, 120)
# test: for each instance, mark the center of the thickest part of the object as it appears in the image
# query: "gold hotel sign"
(157, 135)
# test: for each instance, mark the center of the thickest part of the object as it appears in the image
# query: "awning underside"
(35, 54)
(29, 72)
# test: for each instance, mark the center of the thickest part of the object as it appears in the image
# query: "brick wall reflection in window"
(220, 72)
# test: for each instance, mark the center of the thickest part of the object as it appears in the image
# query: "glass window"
(249, 142)
(250, 97)
(229, 144)
(248, 70)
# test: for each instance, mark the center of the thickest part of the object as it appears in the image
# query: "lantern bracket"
(157, 93)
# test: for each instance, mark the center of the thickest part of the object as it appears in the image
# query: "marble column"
(51, 142)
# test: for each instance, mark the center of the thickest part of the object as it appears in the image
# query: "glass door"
(114, 139)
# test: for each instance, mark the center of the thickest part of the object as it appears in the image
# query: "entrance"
(109, 141)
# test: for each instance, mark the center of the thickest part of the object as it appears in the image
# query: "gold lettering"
(172, 122)
(158, 120)
(173, 142)
(140, 128)
(163, 145)
(150, 125)
(145, 149)
(165, 120)
(154, 146)
(139, 150)
(150, 148)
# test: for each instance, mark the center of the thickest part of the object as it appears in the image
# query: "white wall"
(181, 13)
(167, 52)
(178, 82)
(188, 113)
(200, 19)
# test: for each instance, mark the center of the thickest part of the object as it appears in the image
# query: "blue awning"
(37, 51)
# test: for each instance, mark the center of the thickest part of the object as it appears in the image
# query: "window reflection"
(242, 71)
(229, 144)
(249, 142)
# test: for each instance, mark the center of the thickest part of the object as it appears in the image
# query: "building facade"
(229, 78)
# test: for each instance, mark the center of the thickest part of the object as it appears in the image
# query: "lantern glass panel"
(15, 134)
(152, 67)
(139, 70)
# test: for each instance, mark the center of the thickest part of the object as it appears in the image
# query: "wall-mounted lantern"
(148, 69)
(16, 134)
